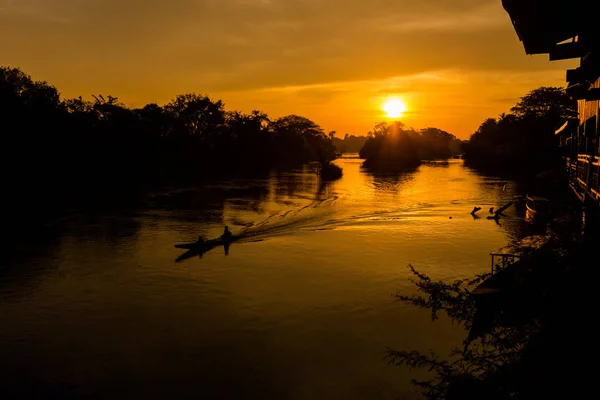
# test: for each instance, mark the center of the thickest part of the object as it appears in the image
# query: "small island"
(393, 147)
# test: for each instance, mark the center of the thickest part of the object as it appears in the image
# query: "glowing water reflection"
(303, 311)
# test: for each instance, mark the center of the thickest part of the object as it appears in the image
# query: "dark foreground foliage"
(539, 337)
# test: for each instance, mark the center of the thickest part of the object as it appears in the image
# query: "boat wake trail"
(285, 218)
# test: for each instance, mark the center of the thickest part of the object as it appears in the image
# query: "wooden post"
(503, 208)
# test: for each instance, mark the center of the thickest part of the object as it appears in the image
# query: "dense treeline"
(393, 146)
(524, 139)
(349, 144)
(54, 146)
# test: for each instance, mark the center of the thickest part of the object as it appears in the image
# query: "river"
(303, 309)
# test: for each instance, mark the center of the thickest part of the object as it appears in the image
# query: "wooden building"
(569, 29)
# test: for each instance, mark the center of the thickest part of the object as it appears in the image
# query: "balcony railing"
(582, 173)
(585, 173)
(503, 260)
(595, 182)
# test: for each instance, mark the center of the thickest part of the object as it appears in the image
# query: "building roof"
(565, 29)
(541, 24)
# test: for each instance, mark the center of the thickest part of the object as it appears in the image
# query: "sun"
(394, 107)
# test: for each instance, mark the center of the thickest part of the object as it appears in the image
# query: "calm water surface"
(302, 310)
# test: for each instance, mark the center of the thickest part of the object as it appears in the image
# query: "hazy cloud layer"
(149, 51)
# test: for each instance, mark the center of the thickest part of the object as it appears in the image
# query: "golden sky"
(454, 62)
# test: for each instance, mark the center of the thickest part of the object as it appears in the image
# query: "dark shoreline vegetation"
(349, 144)
(523, 142)
(58, 150)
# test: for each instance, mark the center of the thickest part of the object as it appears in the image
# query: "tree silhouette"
(524, 140)
(393, 146)
(89, 149)
(196, 115)
(550, 103)
(298, 135)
